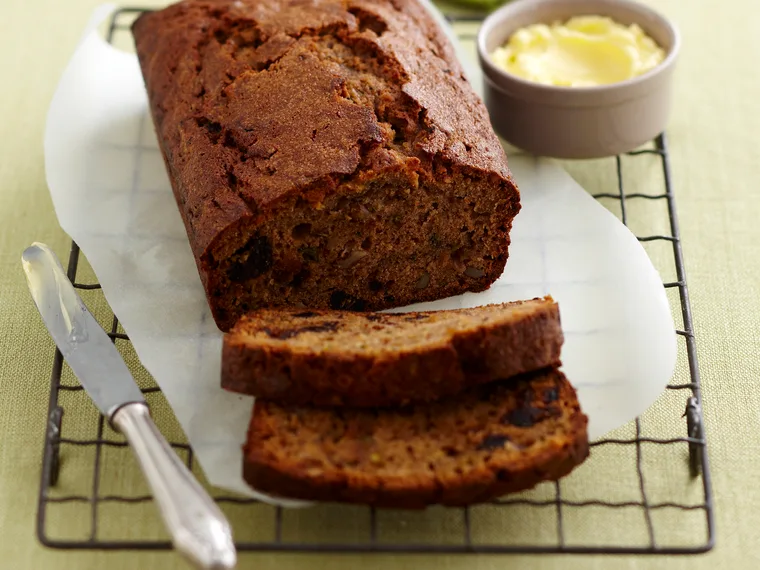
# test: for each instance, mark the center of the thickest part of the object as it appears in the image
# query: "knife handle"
(198, 527)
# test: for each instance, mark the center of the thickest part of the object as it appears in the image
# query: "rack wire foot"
(693, 415)
(54, 436)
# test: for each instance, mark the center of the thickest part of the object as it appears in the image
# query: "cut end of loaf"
(380, 246)
(489, 441)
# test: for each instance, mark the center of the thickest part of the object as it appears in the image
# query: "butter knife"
(198, 527)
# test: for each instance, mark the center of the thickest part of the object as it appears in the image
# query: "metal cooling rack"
(463, 534)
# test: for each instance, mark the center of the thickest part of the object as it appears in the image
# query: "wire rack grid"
(548, 515)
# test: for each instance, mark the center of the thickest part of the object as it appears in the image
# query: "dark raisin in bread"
(489, 441)
(342, 358)
(328, 154)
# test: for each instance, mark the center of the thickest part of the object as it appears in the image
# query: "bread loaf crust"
(485, 443)
(260, 358)
(278, 114)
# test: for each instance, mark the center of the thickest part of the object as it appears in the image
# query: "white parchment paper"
(112, 196)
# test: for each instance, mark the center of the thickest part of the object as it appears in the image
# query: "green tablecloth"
(716, 166)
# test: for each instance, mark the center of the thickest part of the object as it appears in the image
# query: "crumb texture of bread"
(325, 154)
(344, 358)
(489, 441)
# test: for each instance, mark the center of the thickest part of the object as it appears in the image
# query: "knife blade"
(198, 527)
(83, 343)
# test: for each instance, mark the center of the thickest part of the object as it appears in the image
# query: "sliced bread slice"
(491, 440)
(343, 358)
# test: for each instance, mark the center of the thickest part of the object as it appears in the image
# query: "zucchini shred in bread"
(325, 153)
(342, 358)
(490, 440)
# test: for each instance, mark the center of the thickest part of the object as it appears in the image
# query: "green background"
(716, 165)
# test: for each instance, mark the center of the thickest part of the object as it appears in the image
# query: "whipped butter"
(584, 51)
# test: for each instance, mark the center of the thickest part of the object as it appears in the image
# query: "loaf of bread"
(490, 440)
(325, 154)
(343, 358)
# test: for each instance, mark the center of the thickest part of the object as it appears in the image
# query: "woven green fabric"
(715, 169)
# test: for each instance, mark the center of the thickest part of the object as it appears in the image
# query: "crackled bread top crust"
(258, 101)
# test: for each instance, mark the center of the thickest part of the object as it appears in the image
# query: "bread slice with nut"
(343, 358)
(490, 440)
